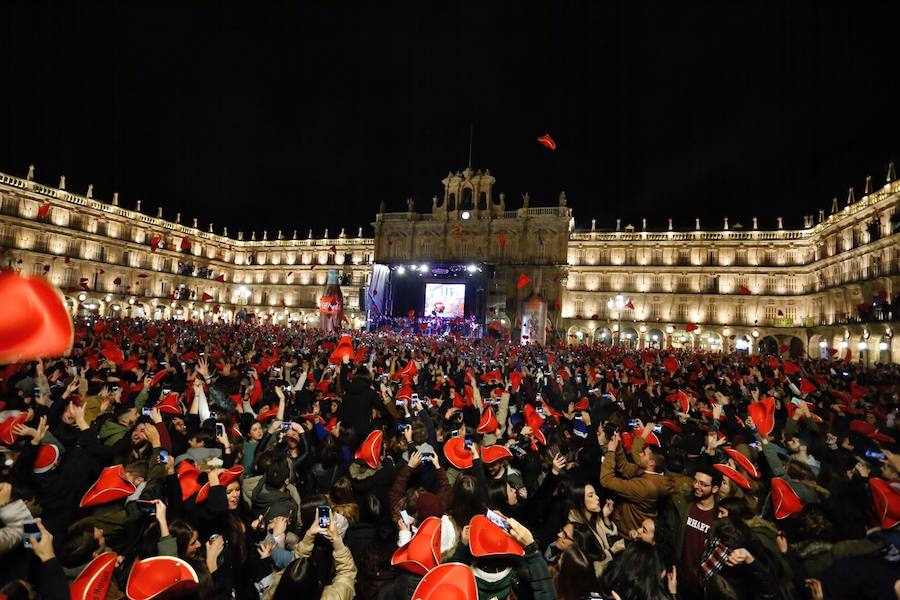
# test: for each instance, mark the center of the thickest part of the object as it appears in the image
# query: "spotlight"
(401, 270)
(471, 268)
(423, 268)
(465, 215)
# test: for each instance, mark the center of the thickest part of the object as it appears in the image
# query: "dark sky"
(308, 115)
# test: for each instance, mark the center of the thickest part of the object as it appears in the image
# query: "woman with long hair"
(587, 508)
(576, 577)
(638, 574)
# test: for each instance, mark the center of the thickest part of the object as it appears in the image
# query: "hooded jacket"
(272, 502)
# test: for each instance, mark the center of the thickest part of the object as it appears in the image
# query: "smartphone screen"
(406, 518)
(220, 429)
(163, 457)
(497, 520)
(147, 507)
(31, 529)
(324, 514)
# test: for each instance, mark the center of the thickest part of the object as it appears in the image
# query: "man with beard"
(689, 518)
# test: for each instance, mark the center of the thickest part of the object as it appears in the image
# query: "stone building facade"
(732, 286)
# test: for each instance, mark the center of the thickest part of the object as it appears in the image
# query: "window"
(771, 313)
(657, 256)
(655, 310)
(740, 313)
(579, 307)
(657, 283)
(681, 314)
(712, 312)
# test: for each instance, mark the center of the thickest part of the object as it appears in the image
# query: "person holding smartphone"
(301, 578)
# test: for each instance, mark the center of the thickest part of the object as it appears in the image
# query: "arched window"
(466, 202)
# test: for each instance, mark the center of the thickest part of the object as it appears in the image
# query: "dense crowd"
(182, 459)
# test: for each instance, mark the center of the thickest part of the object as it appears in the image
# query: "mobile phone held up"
(220, 429)
(31, 529)
(163, 457)
(324, 516)
(147, 507)
(497, 520)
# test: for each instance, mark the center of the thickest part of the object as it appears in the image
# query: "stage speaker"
(362, 298)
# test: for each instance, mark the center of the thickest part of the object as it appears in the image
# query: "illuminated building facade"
(822, 288)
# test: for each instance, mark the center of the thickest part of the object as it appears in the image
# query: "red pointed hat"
(488, 423)
(733, 475)
(515, 379)
(450, 581)
(671, 425)
(887, 503)
(188, 475)
(36, 322)
(93, 581)
(267, 414)
(7, 436)
(344, 350)
(161, 577)
(169, 405)
(785, 500)
(487, 539)
(455, 452)
(491, 454)
(743, 462)
(225, 477)
(492, 377)
(109, 487)
(407, 372)
(47, 458)
(423, 552)
(113, 355)
(370, 451)
(650, 440)
(763, 415)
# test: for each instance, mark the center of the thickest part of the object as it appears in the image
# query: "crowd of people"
(253, 461)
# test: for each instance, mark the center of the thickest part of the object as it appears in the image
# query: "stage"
(428, 298)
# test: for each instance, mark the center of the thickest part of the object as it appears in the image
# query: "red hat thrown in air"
(423, 552)
(93, 581)
(7, 435)
(370, 451)
(36, 322)
(109, 487)
(161, 577)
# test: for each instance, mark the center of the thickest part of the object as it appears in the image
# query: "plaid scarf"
(713, 560)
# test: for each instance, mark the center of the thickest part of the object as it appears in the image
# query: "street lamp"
(618, 303)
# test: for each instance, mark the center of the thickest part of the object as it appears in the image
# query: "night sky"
(308, 115)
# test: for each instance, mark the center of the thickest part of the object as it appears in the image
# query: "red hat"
(681, 398)
(170, 405)
(456, 453)
(870, 431)
(225, 477)
(46, 459)
(887, 503)
(93, 581)
(491, 454)
(763, 415)
(627, 440)
(650, 440)
(488, 423)
(583, 404)
(515, 379)
(733, 475)
(113, 355)
(487, 539)
(7, 436)
(161, 577)
(370, 451)
(109, 487)
(492, 376)
(36, 322)
(407, 372)
(743, 462)
(158, 377)
(789, 367)
(671, 425)
(267, 414)
(404, 393)
(785, 500)
(188, 475)
(343, 350)
(450, 581)
(670, 363)
(423, 552)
